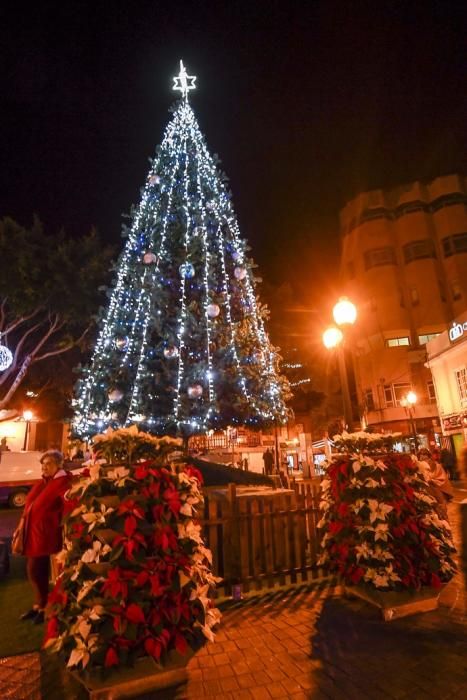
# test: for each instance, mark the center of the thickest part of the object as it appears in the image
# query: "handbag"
(17, 542)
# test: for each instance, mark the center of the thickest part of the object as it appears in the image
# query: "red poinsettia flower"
(111, 658)
(172, 496)
(134, 613)
(52, 630)
(192, 471)
(129, 505)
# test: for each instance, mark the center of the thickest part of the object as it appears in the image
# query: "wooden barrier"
(262, 537)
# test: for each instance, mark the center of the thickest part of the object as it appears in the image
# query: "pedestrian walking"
(448, 462)
(42, 529)
(438, 481)
(268, 459)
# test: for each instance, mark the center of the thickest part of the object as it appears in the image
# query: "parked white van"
(18, 472)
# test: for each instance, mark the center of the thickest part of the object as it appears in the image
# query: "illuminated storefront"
(447, 360)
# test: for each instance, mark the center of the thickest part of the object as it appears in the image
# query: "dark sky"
(305, 103)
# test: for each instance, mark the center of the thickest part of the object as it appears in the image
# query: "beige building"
(404, 264)
(447, 360)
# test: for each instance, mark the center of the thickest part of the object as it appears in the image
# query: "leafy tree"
(48, 297)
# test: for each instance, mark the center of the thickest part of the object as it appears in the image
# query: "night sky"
(305, 103)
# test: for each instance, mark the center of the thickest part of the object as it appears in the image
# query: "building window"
(423, 339)
(431, 392)
(369, 400)
(461, 379)
(393, 393)
(416, 250)
(414, 298)
(454, 244)
(397, 342)
(379, 256)
(456, 290)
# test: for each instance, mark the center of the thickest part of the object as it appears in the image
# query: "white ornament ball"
(170, 352)
(115, 395)
(213, 310)
(186, 270)
(195, 391)
(149, 258)
(6, 358)
(154, 179)
(240, 273)
(121, 343)
(236, 256)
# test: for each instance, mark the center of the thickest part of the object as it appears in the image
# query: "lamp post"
(345, 314)
(27, 417)
(408, 402)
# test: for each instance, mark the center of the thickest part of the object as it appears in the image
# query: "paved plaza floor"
(302, 642)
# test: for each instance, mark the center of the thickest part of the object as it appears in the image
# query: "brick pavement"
(302, 643)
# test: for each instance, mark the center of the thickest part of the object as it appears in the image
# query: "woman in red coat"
(43, 514)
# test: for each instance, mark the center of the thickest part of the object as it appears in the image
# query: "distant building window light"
(379, 256)
(394, 393)
(397, 342)
(417, 250)
(423, 339)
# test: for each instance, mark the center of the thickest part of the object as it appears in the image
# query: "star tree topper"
(181, 81)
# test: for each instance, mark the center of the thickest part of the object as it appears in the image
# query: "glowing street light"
(332, 337)
(344, 312)
(408, 402)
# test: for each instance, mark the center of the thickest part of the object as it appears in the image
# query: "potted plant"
(382, 535)
(134, 595)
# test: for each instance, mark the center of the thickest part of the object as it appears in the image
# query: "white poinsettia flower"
(119, 475)
(371, 483)
(79, 655)
(97, 551)
(378, 510)
(381, 581)
(95, 517)
(77, 511)
(86, 588)
(363, 551)
(186, 509)
(370, 574)
(76, 572)
(356, 466)
(184, 478)
(382, 532)
(368, 462)
(380, 465)
(382, 554)
(96, 612)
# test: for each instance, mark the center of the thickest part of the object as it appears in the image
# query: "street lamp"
(27, 416)
(408, 402)
(345, 314)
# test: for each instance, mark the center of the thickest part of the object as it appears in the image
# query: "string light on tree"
(182, 345)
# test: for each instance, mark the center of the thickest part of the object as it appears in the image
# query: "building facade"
(404, 264)
(447, 360)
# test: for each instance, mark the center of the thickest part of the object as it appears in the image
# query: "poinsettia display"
(380, 526)
(362, 441)
(137, 577)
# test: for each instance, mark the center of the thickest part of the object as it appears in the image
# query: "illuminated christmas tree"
(182, 346)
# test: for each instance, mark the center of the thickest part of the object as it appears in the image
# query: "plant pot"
(146, 676)
(395, 604)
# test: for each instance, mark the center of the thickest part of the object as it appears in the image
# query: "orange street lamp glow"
(332, 336)
(28, 415)
(344, 312)
(411, 398)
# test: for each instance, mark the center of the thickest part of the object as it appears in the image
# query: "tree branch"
(65, 348)
(21, 320)
(5, 376)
